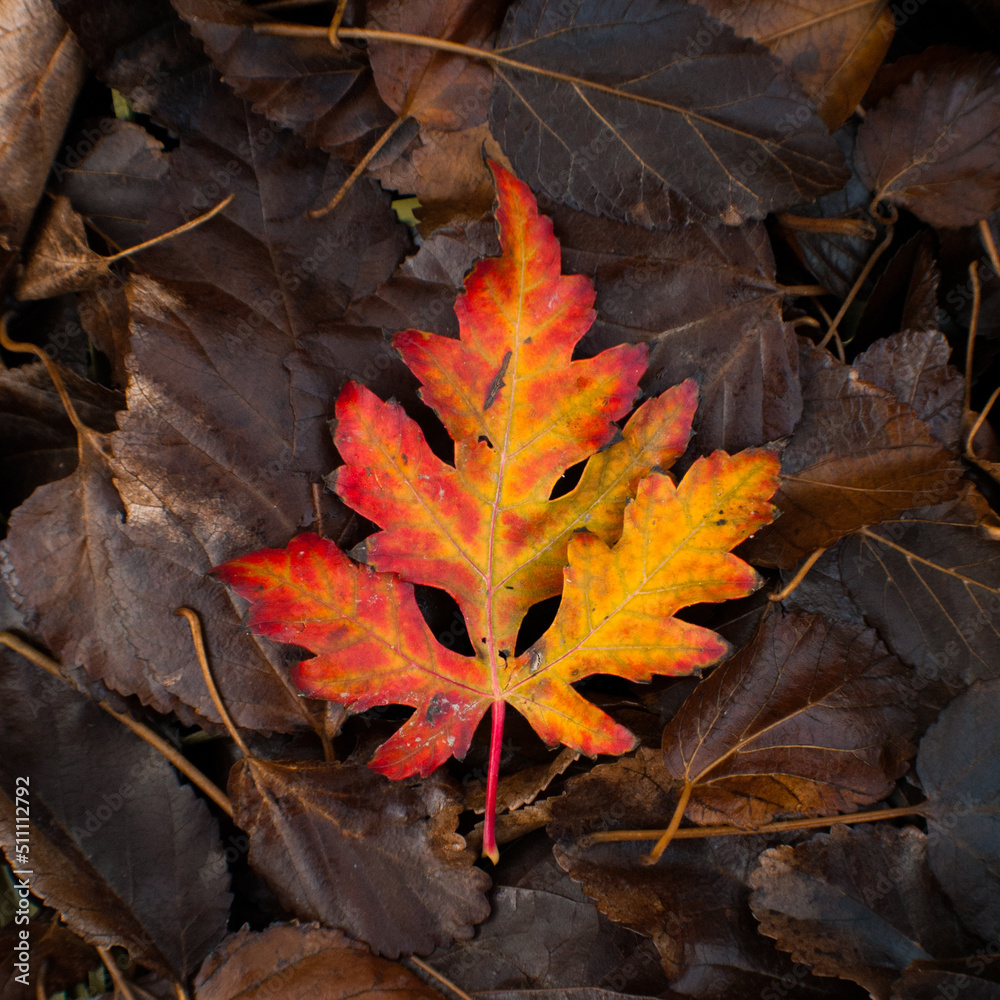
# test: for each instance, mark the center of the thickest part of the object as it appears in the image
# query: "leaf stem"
(810, 823)
(199, 647)
(156, 741)
(661, 845)
(186, 227)
(798, 578)
(991, 248)
(970, 348)
(440, 977)
(492, 780)
(856, 287)
(318, 213)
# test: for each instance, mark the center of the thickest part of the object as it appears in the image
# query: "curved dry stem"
(198, 639)
(172, 754)
(186, 227)
(986, 236)
(970, 345)
(789, 588)
(810, 823)
(856, 287)
(667, 835)
(444, 980)
(121, 983)
(84, 433)
(969, 450)
(844, 227)
(318, 213)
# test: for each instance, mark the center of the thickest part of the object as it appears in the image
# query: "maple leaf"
(486, 530)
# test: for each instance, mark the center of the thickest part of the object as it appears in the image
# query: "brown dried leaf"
(914, 367)
(41, 70)
(127, 854)
(692, 904)
(378, 858)
(833, 48)
(302, 962)
(807, 719)
(707, 302)
(55, 952)
(930, 583)
(959, 767)
(326, 96)
(933, 145)
(59, 260)
(857, 457)
(662, 137)
(857, 903)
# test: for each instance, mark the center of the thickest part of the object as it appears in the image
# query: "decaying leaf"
(834, 49)
(933, 145)
(929, 581)
(857, 457)
(616, 120)
(376, 858)
(810, 718)
(98, 795)
(302, 961)
(958, 764)
(486, 531)
(860, 904)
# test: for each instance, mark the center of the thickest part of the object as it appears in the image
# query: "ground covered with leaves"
(629, 364)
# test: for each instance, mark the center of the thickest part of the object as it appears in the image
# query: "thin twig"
(970, 452)
(667, 835)
(121, 984)
(199, 647)
(798, 578)
(986, 235)
(173, 232)
(444, 980)
(856, 287)
(338, 16)
(806, 321)
(318, 213)
(845, 227)
(788, 291)
(174, 756)
(697, 832)
(970, 347)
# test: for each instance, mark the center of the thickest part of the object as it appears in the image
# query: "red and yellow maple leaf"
(485, 530)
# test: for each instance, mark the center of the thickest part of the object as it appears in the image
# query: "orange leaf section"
(521, 411)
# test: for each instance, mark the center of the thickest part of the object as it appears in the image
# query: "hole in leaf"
(539, 617)
(444, 619)
(484, 438)
(567, 480)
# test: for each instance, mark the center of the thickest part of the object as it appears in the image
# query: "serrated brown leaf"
(933, 145)
(857, 903)
(913, 366)
(127, 854)
(327, 97)
(707, 303)
(300, 962)
(42, 70)
(959, 767)
(809, 718)
(377, 858)
(857, 457)
(929, 581)
(692, 904)
(662, 137)
(59, 259)
(834, 48)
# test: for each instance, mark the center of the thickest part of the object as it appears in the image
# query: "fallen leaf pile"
(630, 363)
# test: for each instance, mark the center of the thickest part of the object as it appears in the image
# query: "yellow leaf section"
(616, 615)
